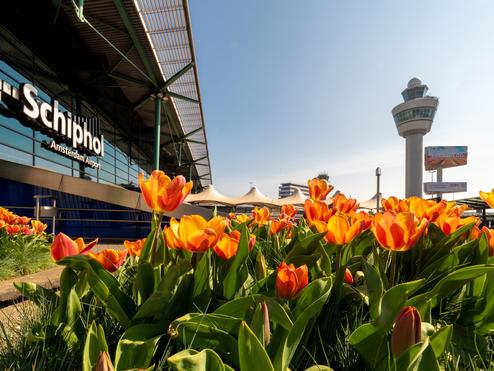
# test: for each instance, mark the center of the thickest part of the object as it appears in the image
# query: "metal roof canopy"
(475, 203)
(121, 57)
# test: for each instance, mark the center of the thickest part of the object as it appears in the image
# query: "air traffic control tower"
(413, 119)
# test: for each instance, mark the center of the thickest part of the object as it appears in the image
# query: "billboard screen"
(445, 156)
(444, 187)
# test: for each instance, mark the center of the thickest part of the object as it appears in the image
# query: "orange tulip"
(227, 245)
(13, 228)
(319, 189)
(453, 209)
(489, 233)
(110, 259)
(261, 215)
(407, 331)
(172, 234)
(63, 246)
(343, 204)
(394, 204)
(134, 248)
(397, 232)
(290, 280)
(163, 194)
(242, 218)
(488, 197)
(450, 223)
(363, 218)
(38, 227)
(198, 235)
(316, 211)
(348, 277)
(288, 211)
(279, 225)
(339, 230)
(428, 209)
(252, 241)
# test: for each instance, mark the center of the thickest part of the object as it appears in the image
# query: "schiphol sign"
(79, 132)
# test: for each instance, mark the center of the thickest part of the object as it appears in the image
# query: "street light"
(378, 176)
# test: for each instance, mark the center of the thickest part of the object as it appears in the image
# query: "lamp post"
(378, 176)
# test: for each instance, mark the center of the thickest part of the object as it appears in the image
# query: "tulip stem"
(393, 269)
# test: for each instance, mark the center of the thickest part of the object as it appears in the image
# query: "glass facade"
(415, 113)
(412, 93)
(24, 145)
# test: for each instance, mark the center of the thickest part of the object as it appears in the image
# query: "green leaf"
(252, 355)
(104, 286)
(200, 335)
(137, 346)
(201, 294)
(375, 288)
(239, 308)
(145, 255)
(441, 339)
(310, 294)
(237, 272)
(217, 321)
(171, 293)
(419, 357)
(144, 281)
(285, 354)
(304, 245)
(457, 279)
(319, 368)
(371, 342)
(95, 344)
(38, 294)
(393, 300)
(190, 359)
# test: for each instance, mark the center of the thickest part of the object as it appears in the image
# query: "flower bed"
(24, 247)
(408, 288)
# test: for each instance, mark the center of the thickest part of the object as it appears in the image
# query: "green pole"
(157, 134)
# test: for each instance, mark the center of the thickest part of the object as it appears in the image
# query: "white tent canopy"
(297, 198)
(256, 198)
(371, 203)
(209, 196)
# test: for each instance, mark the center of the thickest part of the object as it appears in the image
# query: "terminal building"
(92, 93)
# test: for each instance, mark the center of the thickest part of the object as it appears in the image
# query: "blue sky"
(293, 88)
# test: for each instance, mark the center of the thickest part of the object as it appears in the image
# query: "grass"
(21, 254)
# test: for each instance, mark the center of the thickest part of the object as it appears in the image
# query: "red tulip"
(63, 246)
(407, 331)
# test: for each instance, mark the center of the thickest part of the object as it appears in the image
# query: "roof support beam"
(178, 75)
(182, 138)
(135, 39)
(127, 78)
(182, 97)
(126, 55)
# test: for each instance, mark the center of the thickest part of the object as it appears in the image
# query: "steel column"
(157, 134)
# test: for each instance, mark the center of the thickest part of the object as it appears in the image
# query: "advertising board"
(445, 156)
(444, 187)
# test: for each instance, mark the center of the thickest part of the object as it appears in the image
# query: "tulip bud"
(266, 328)
(406, 331)
(348, 278)
(359, 276)
(104, 363)
(261, 267)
